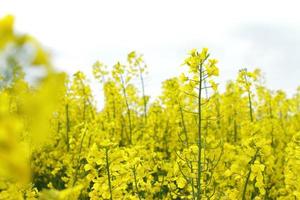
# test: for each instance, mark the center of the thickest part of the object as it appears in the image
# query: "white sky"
(256, 33)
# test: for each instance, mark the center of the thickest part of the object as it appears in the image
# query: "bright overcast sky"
(256, 33)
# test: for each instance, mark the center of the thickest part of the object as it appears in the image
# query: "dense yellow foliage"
(192, 142)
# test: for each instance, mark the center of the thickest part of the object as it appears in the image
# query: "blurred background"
(240, 34)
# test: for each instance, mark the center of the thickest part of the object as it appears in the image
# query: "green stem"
(248, 175)
(184, 126)
(135, 183)
(79, 157)
(199, 135)
(108, 173)
(67, 126)
(250, 105)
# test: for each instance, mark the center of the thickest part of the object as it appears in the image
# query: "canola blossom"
(192, 142)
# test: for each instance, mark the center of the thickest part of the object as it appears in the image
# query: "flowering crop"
(191, 142)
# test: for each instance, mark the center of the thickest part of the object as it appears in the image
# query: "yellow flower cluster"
(191, 142)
